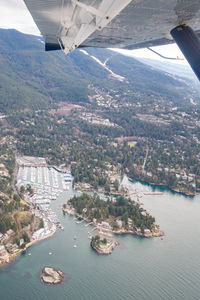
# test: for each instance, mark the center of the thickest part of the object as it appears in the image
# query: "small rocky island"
(51, 275)
(102, 246)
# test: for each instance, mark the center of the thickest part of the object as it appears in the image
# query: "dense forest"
(120, 208)
(72, 111)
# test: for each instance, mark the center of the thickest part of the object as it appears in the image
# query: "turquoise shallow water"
(137, 269)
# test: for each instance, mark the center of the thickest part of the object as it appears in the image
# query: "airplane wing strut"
(123, 24)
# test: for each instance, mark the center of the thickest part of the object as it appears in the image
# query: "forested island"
(103, 245)
(120, 215)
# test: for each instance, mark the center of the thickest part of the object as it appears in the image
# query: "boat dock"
(86, 225)
(141, 194)
(47, 184)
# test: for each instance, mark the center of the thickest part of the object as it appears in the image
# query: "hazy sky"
(14, 14)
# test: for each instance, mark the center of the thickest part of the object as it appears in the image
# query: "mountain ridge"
(35, 79)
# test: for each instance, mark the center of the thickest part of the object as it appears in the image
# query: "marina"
(47, 184)
(137, 269)
(44, 177)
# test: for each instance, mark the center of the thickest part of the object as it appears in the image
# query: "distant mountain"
(176, 69)
(33, 78)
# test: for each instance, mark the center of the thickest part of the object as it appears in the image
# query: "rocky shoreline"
(156, 233)
(107, 249)
(159, 233)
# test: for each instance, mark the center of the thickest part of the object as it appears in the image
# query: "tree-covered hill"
(33, 78)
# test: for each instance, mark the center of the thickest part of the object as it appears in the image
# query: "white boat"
(75, 246)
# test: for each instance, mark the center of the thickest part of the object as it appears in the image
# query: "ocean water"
(137, 269)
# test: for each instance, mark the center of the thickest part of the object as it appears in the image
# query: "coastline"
(28, 245)
(100, 229)
(49, 220)
(158, 233)
(178, 190)
(175, 190)
(105, 250)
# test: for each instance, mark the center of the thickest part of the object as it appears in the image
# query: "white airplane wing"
(126, 24)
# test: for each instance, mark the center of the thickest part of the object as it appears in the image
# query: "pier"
(141, 194)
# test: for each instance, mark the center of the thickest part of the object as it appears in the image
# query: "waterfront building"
(119, 223)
